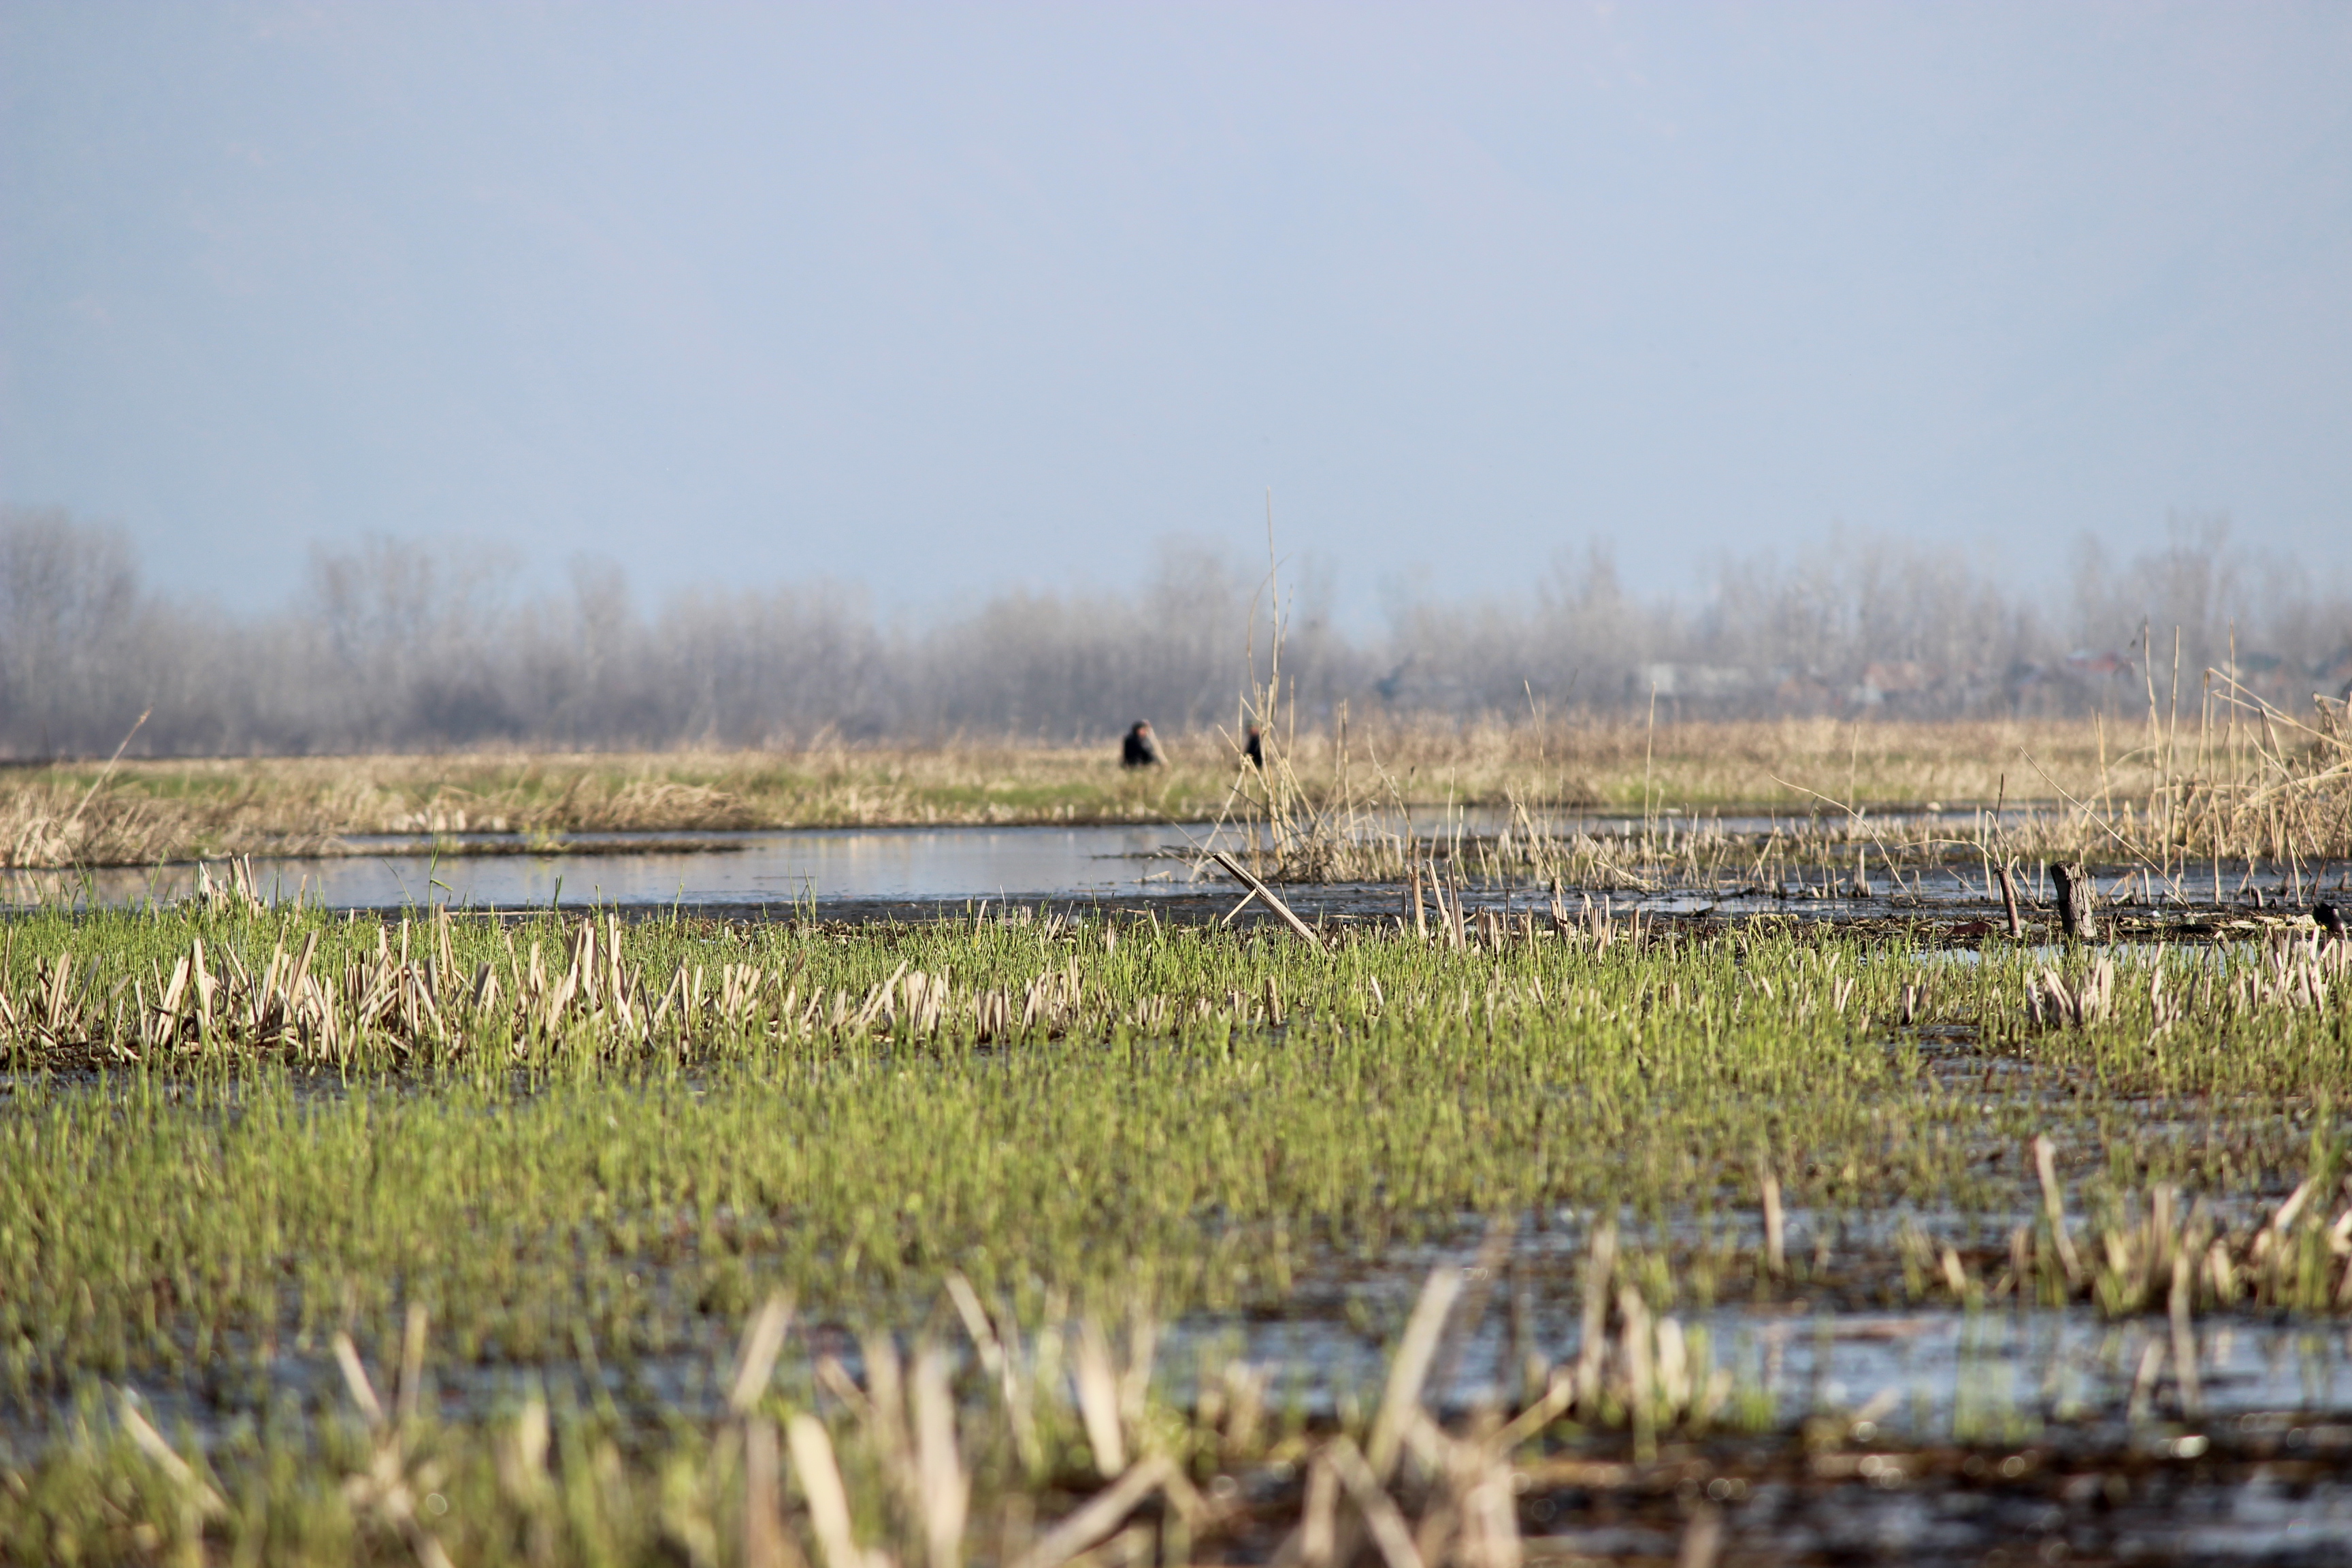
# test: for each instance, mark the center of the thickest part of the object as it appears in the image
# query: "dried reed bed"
(1352, 802)
(1630, 766)
(2251, 784)
(152, 811)
(149, 811)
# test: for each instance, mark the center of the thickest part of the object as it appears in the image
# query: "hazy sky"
(938, 298)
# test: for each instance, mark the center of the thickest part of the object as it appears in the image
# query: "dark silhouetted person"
(1254, 751)
(1140, 748)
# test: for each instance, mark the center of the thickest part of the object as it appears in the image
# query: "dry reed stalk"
(1600, 1265)
(763, 1499)
(755, 1358)
(198, 1501)
(106, 772)
(1415, 1353)
(2171, 746)
(1318, 1528)
(2184, 1340)
(828, 1501)
(1702, 1538)
(2138, 1408)
(2054, 1205)
(1266, 896)
(1362, 1477)
(385, 1491)
(1000, 1360)
(945, 1488)
(1097, 1386)
(2232, 742)
(1100, 1514)
(1641, 1373)
(1649, 753)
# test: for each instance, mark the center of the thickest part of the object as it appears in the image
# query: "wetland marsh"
(1506, 1181)
(1718, 1213)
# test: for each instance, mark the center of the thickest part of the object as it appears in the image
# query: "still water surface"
(779, 869)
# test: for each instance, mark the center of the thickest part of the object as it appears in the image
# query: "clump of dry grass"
(58, 820)
(45, 823)
(2269, 786)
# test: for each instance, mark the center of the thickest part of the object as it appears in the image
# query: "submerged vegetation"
(1016, 1237)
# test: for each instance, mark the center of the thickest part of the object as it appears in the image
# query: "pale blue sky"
(937, 298)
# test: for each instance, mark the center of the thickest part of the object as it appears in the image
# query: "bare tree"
(392, 643)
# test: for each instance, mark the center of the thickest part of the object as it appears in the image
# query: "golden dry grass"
(2272, 786)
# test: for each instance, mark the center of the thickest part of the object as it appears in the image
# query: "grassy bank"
(557, 1167)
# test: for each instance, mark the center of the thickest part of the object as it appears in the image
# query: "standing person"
(1140, 748)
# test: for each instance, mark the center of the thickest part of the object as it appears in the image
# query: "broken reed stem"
(2009, 903)
(1415, 1353)
(1242, 874)
(1099, 1514)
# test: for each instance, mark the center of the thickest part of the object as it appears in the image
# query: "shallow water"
(1949, 1434)
(1935, 1374)
(778, 869)
(957, 866)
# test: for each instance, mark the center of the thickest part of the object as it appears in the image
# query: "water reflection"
(778, 869)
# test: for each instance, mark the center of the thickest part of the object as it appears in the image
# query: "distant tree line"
(391, 644)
